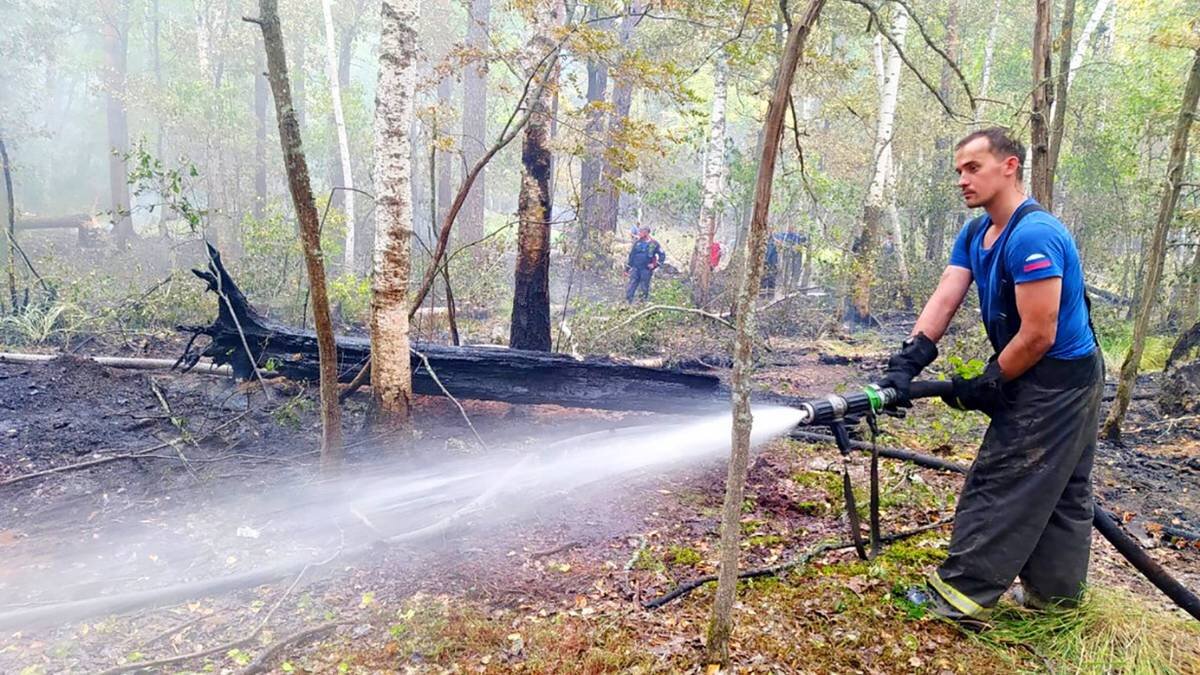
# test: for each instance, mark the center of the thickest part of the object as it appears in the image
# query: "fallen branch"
(446, 393)
(359, 380)
(206, 366)
(684, 589)
(656, 308)
(144, 453)
(557, 549)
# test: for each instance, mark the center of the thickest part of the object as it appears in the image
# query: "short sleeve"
(1035, 252)
(960, 255)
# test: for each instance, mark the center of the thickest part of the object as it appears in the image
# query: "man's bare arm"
(944, 303)
(1037, 303)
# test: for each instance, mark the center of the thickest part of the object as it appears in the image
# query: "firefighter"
(1026, 507)
(645, 256)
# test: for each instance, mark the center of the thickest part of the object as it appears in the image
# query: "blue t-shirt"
(1039, 248)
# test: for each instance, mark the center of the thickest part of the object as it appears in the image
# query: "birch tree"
(391, 374)
(339, 123)
(714, 184)
(720, 626)
(1154, 262)
(875, 205)
(306, 214)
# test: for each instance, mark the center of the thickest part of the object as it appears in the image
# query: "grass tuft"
(1111, 631)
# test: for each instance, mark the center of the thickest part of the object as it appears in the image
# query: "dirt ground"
(540, 582)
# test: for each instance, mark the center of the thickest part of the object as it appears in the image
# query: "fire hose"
(837, 411)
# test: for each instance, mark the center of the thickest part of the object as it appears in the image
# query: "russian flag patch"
(1035, 262)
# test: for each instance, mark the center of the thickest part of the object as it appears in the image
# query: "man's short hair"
(643, 227)
(1002, 145)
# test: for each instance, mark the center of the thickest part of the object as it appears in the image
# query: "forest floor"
(542, 581)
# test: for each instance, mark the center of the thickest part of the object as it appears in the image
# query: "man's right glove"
(915, 353)
(984, 393)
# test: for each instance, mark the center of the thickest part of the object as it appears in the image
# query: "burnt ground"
(544, 582)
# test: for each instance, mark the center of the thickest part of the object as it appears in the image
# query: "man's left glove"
(915, 353)
(984, 393)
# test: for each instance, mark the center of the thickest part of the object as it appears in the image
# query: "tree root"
(262, 663)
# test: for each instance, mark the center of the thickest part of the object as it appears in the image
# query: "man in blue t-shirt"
(1026, 507)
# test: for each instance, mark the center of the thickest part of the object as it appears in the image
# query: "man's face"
(981, 174)
(644, 233)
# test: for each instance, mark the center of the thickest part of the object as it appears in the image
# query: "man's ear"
(1011, 164)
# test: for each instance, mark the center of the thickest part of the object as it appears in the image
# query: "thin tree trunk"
(721, 622)
(339, 123)
(989, 50)
(1058, 109)
(875, 205)
(116, 48)
(1191, 300)
(591, 168)
(1041, 175)
(474, 117)
(306, 214)
(445, 160)
(942, 201)
(156, 59)
(10, 230)
(622, 100)
(713, 186)
(391, 376)
(1154, 262)
(260, 134)
(530, 327)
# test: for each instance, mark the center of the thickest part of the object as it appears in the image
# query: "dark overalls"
(644, 257)
(1026, 507)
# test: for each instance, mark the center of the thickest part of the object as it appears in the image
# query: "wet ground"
(211, 456)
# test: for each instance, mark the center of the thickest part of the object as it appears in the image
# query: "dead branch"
(800, 561)
(940, 52)
(262, 663)
(207, 367)
(359, 380)
(557, 549)
(144, 453)
(438, 382)
(665, 308)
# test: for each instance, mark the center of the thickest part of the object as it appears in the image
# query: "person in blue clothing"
(645, 256)
(1026, 507)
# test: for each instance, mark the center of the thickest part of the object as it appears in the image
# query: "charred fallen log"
(485, 373)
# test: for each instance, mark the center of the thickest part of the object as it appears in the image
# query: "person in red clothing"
(714, 254)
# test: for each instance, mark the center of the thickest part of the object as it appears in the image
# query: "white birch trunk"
(391, 376)
(714, 179)
(1081, 47)
(989, 50)
(339, 121)
(888, 79)
(887, 68)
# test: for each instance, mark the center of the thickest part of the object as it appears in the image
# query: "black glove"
(984, 393)
(915, 353)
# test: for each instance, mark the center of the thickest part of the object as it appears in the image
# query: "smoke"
(273, 524)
